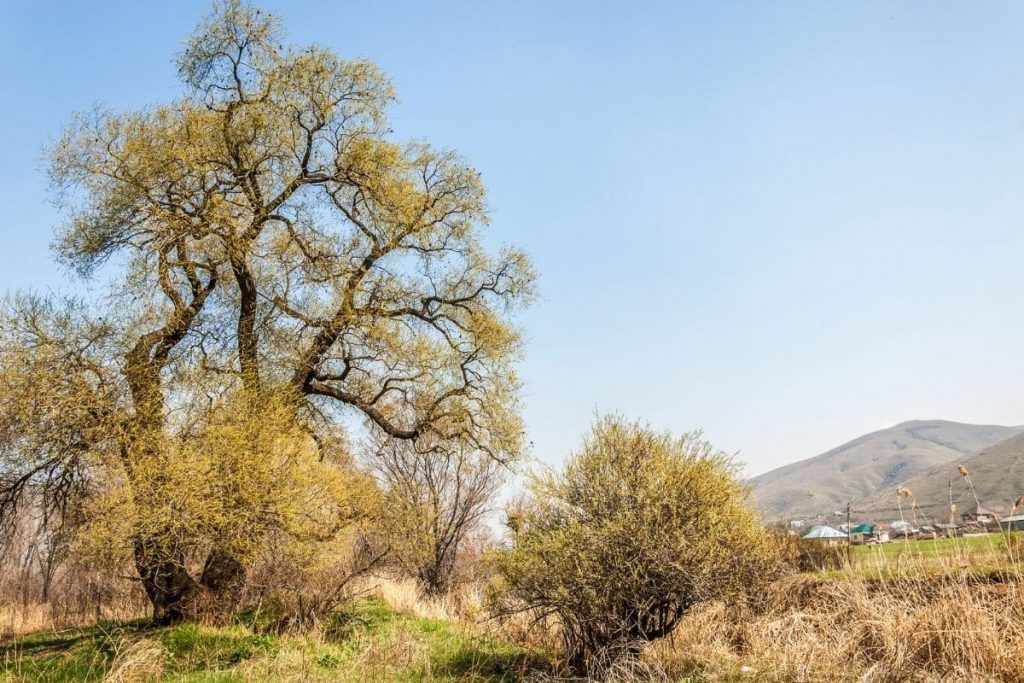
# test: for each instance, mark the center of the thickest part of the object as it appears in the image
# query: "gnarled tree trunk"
(167, 583)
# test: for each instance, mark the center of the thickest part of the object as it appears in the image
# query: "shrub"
(289, 593)
(637, 528)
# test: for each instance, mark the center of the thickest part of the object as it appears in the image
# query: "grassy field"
(370, 642)
(941, 546)
(975, 553)
(921, 623)
(806, 628)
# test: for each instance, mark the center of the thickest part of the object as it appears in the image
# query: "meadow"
(387, 634)
(913, 621)
(978, 553)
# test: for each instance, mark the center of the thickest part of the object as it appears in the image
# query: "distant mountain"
(870, 464)
(997, 473)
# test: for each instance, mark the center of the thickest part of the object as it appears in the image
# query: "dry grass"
(403, 595)
(953, 628)
(903, 626)
(911, 626)
(136, 661)
(467, 605)
(20, 618)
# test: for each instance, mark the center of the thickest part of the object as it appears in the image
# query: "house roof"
(1014, 518)
(863, 529)
(977, 510)
(824, 532)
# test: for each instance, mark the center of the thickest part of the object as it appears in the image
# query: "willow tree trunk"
(176, 596)
(167, 583)
(173, 592)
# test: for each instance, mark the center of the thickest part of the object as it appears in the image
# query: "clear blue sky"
(786, 223)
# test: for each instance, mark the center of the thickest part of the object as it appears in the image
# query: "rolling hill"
(871, 464)
(997, 472)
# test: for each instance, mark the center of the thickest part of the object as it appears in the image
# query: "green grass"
(982, 555)
(932, 547)
(368, 642)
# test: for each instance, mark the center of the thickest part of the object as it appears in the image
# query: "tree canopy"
(279, 264)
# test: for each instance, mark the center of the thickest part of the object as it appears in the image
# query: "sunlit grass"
(368, 642)
(981, 555)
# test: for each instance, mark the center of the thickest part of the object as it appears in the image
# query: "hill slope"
(997, 472)
(869, 464)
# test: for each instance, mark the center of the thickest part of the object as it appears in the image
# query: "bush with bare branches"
(436, 500)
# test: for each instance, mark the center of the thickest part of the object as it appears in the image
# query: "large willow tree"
(279, 266)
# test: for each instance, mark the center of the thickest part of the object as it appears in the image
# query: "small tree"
(435, 501)
(637, 528)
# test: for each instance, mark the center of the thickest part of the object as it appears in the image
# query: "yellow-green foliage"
(637, 528)
(240, 478)
(278, 265)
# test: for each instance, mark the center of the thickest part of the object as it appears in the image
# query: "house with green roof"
(864, 533)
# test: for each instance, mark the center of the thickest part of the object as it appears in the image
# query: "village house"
(825, 534)
(864, 533)
(978, 515)
(1012, 523)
